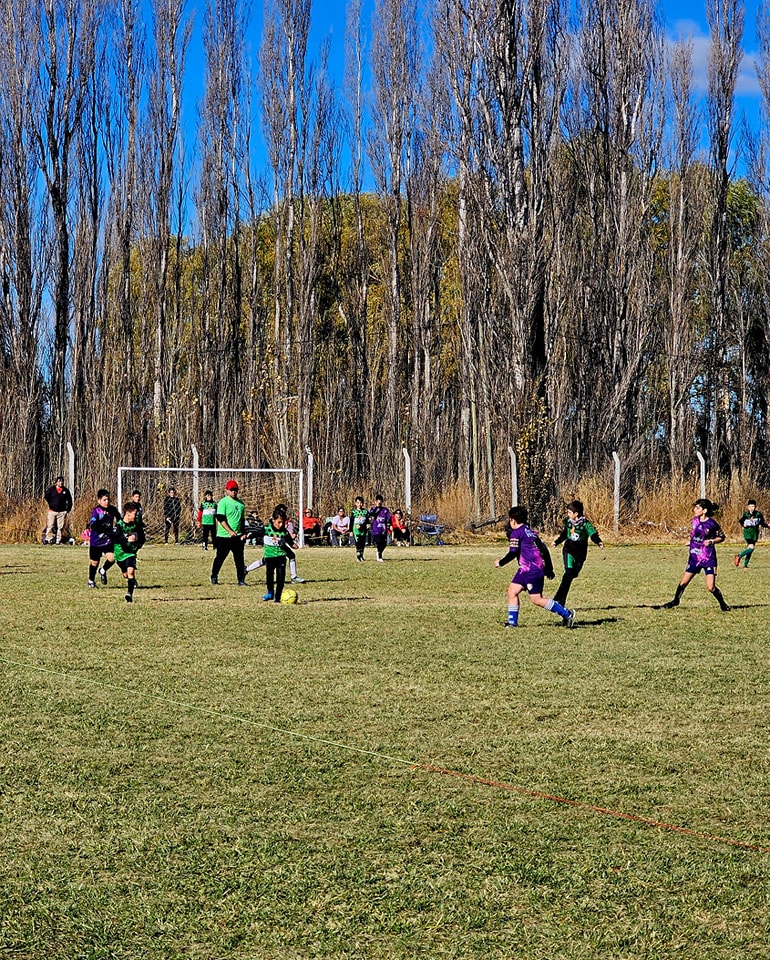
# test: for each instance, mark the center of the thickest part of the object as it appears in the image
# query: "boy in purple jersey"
(706, 534)
(102, 526)
(534, 566)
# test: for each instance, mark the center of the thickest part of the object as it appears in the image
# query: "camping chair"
(430, 529)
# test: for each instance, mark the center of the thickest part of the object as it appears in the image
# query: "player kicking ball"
(534, 566)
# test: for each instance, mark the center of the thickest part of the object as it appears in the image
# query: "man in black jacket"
(59, 501)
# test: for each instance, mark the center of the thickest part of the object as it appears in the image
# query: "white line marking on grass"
(412, 764)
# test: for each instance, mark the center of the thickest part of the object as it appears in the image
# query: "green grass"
(203, 775)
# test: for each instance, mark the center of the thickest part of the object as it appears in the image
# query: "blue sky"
(682, 19)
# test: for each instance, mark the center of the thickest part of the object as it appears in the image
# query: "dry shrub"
(25, 522)
(452, 506)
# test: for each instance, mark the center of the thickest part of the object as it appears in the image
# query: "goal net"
(260, 490)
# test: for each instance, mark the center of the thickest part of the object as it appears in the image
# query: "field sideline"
(202, 775)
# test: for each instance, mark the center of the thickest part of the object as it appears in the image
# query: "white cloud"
(692, 32)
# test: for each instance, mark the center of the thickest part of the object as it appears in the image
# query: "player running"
(534, 566)
(706, 534)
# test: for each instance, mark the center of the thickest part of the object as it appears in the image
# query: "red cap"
(231, 485)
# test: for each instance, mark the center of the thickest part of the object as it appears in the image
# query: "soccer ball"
(289, 596)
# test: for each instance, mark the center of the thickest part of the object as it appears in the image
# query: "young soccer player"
(102, 526)
(277, 541)
(290, 554)
(576, 533)
(207, 518)
(752, 522)
(129, 537)
(534, 566)
(378, 519)
(359, 515)
(706, 534)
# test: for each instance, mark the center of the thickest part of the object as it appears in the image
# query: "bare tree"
(161, 183)
(725, 19)
(23, 229)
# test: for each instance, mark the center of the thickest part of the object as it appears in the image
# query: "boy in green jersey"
(575, 534)
(231, 511)
(358, 517)
(129, 537)
(207, 519)
(751, 523)
(277, 542)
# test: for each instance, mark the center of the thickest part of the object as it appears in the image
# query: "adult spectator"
(311, 525)
(59, 501)
(398, 529)
(340, 528)
(172, 511)
(231, 538)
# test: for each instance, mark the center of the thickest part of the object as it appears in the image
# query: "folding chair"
(430, 528)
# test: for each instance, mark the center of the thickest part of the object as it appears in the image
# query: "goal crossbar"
(289, 486)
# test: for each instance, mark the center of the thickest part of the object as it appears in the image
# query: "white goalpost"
(260, 489)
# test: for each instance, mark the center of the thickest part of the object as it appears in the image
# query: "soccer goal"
(260, 490)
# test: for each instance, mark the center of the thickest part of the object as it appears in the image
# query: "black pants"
(208, 529)
(380, 541)
(570, 574)
(227, 545)
(275, 575)
(172, 524)
(360, 544)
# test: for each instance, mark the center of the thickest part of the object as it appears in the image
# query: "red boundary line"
(580, 804)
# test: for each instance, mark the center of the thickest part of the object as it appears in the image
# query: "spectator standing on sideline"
(59, 501)
(172, 511)
(231, 513)
(379, 519)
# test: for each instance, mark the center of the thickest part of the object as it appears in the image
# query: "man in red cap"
(231, 512)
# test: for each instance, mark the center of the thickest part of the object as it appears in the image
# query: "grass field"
(202, 775)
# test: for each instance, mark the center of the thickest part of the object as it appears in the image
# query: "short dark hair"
(576, 506)
(130, 507)
(102, 493)
(519, 514)
(136, 493)
(751, 501)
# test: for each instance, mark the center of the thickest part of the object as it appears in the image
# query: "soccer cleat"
(513, 626)
(380, 560)
(736, 560)
(569, 621)
(129, 598)
(103, 576)
(242, 583)
(725, 607)
(298, 580)
(268, 596)
(214, 580)
(91, 585)
(671, 604)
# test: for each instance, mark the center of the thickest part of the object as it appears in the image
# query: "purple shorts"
(531, 584)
